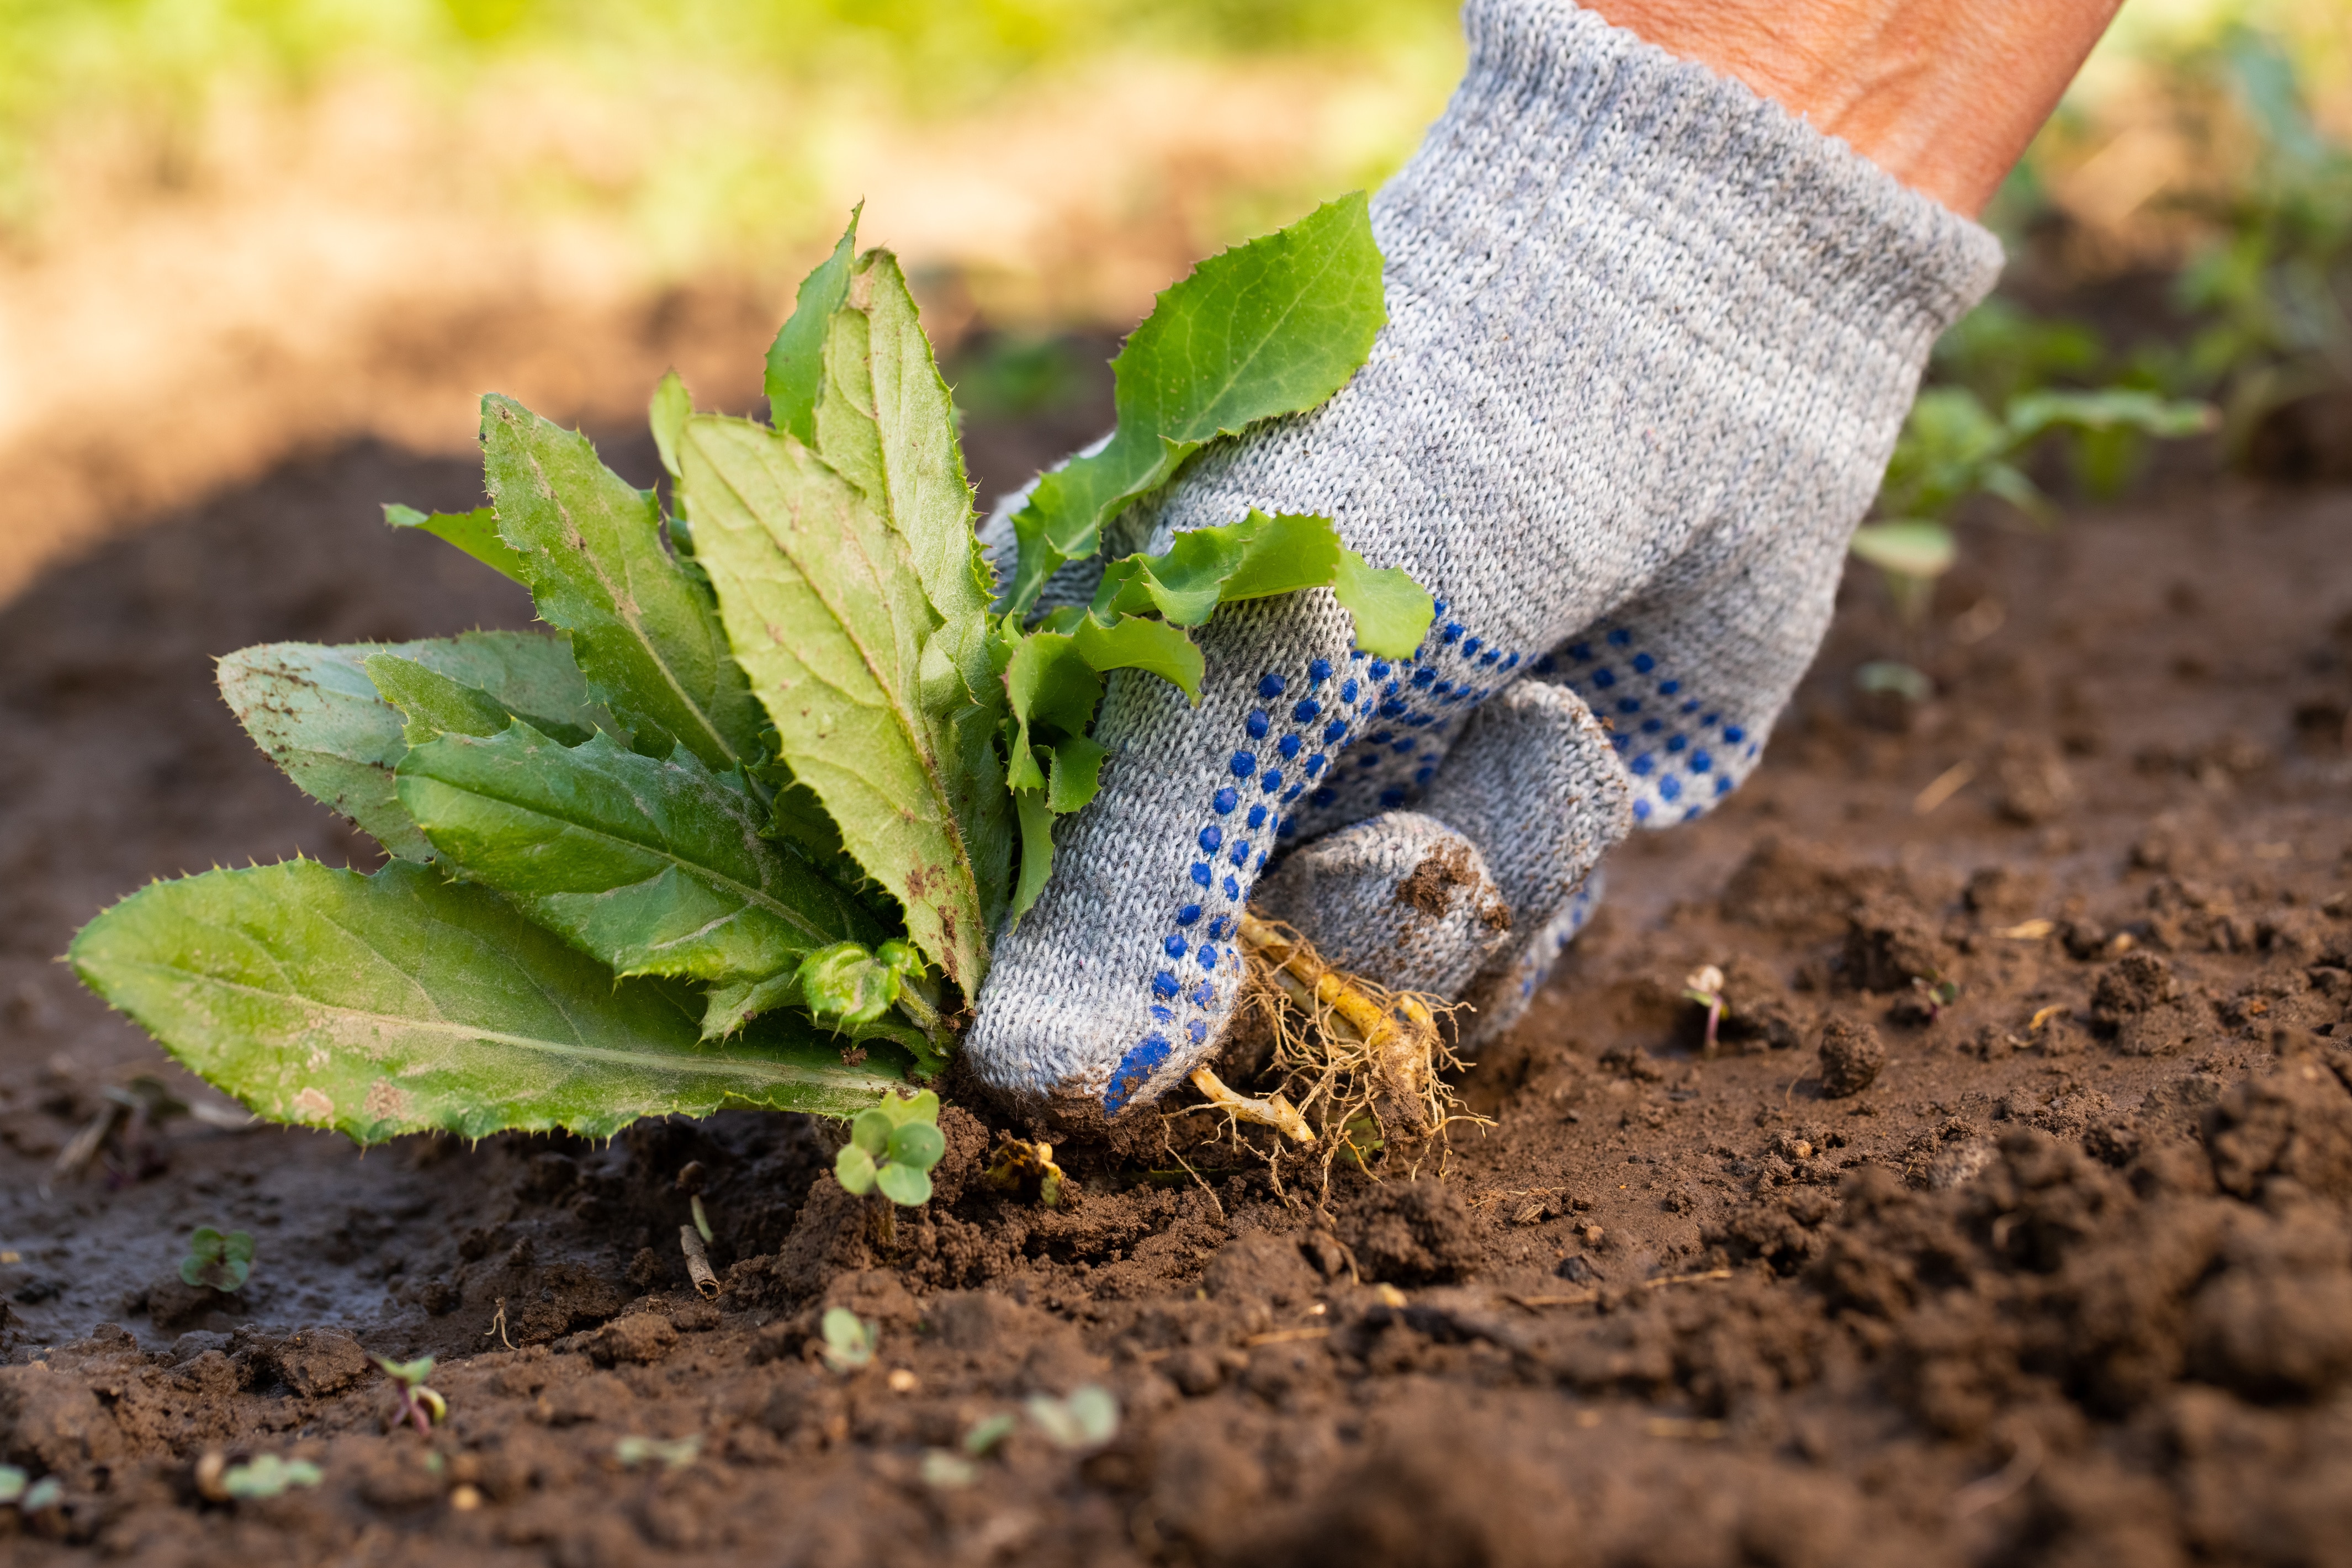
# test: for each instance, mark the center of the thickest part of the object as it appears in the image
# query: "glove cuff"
(1561, 117)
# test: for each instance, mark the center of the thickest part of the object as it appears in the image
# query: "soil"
(2061, 1274)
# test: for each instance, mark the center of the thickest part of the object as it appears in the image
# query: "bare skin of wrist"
(1942, 94)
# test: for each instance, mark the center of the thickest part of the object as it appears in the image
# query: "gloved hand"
(1650, 343)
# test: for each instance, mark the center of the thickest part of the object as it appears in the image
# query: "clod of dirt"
(2007, 892)
(1258, 1267)
(2292, 1128)
(315, 1362)
(2133, 984)
(51, 1421)
(1889, 944)
(1852, 1056)
(1757, 1009)
(642, 1338)
(1412, 1233)
(2031, 781)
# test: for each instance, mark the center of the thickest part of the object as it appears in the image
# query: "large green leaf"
(400, 1002)
(1273, 327)
(643, 627)
(316, 714)
(655, 868)
(829, 618)
(885, 423)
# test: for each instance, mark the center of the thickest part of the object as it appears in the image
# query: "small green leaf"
(870, 1130)
(1087, 1419)
(844, 982)
(436, 705)
(1076, 774)
(918, 1144)
(400, 1002)
(796, 359)
(1036, 848)
(854, 1168)
(672, 406)
(1393, 613)
(1911, 549)
(655, 868)
(848, 1339)
(476, 533)
(1256, 558)
(268, 1476)
(904, 1185)
(1132, 642)
(902, 1108)
(1272, 327)
(643, 626)
(13, 1482)
(316, 714)
(2110, 409)
(1050, 686)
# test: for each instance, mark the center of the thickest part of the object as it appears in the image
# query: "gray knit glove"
(1650, 341)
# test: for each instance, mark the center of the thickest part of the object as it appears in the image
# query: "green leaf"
(1036, 848)
(672, 406)
(476, 533)
(435, 704)
(1255, 558)
(1076, 774)
(853, 1169)
(903, 1184)
(848, 1339)
(1910, 549)
(796, 359)
(1048, 685)
(870, 1130)
(918, 1144)
(316, 714)
(655, 868)
(885, 423)
(2109, 409)
(1393, 613)
(828, 617)
(1272, 327)
(1132, 642)
(642, 626)
(843, 983)
(400, 1002)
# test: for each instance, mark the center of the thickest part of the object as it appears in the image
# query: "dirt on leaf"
(2059, 1272)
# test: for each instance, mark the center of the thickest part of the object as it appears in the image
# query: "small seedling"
(945, 1470)
(268, 1476)
(849, 1340)
(1934, 996)
(891, 1150)
(25, 1494)
(222, 1262)
(1088, 1419)
(987, 1433)
(1704, 985)
(419, 1406)
(673, 1452)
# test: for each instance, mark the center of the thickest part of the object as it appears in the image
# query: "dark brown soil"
(2067, 1279)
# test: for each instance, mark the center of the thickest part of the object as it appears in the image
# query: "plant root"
(1272, 1111)
(1356, 1067)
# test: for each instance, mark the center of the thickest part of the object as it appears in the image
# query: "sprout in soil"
(1025, 1170)
(419, 1406)
(220, 1261)
(892, 1148)
(1704, 985)
(1088, 1419)
(849, 1340)
(26, 1495)
(673, 1452)
(267, 1476)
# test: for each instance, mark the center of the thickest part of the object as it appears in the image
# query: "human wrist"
(1941, 94)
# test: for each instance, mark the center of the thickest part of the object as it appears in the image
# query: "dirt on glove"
(2061, 1272)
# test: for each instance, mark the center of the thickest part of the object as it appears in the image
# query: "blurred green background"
(229, 229)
